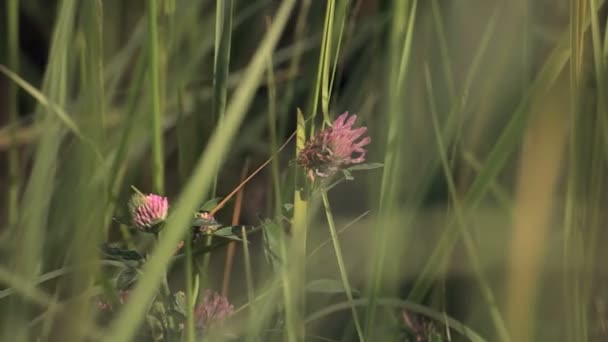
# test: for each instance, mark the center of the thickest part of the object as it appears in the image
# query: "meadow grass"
(477, 214)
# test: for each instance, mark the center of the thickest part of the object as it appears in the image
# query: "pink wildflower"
(213, 311)
(334, 148)
(148, 210)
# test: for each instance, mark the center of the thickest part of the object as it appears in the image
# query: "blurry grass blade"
(325, 60)
(247, 261)
(443, 47)
(341, 264)
(341, 19)
(407, 46)
(401, 32)
(58, 273)
(328, 286)
(321, 68)
(12, 29)
(119, 160)
(340, 231)
(272, 128)
(294, 275)
(236, 214)
(190, 297)
(294, 66)
(43, 100)
(25, 288)
(221, 64)
(500, 193)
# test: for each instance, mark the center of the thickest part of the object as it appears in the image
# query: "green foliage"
(117, 253)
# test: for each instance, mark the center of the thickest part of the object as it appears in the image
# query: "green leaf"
(210, 204)
(123, 254)
(369, 166)
(179, 303)
(127, 278)
(327, 286)
(226, 231)
(347, 175)
(288, 207)
(230, 232)
(202, 222)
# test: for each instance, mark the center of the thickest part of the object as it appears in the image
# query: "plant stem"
(12, 12)
(322, 83)
(300, 225)
(341, 265)
(272, 128)
(221, 64)
(248, 273)
(157, 117)
(401, 40)
(190, 302)
(236, 214)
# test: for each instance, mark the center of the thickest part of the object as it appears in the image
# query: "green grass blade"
(45, 101)
(274, 142)
(221, 65)
(12, 29)
(296, 273)
(322, 81)
(401, 35)
(341, 265)
(443, 47)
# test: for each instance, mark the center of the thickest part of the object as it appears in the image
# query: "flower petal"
(351, 121)
(339, 122)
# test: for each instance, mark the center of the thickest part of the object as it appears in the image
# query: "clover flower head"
(147, 210)
(334, 148)
(213, 311)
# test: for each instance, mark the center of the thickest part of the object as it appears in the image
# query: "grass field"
(182, 170)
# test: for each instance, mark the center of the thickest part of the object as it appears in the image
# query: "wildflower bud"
(147, 210)
(334, 148)
(213, 311)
